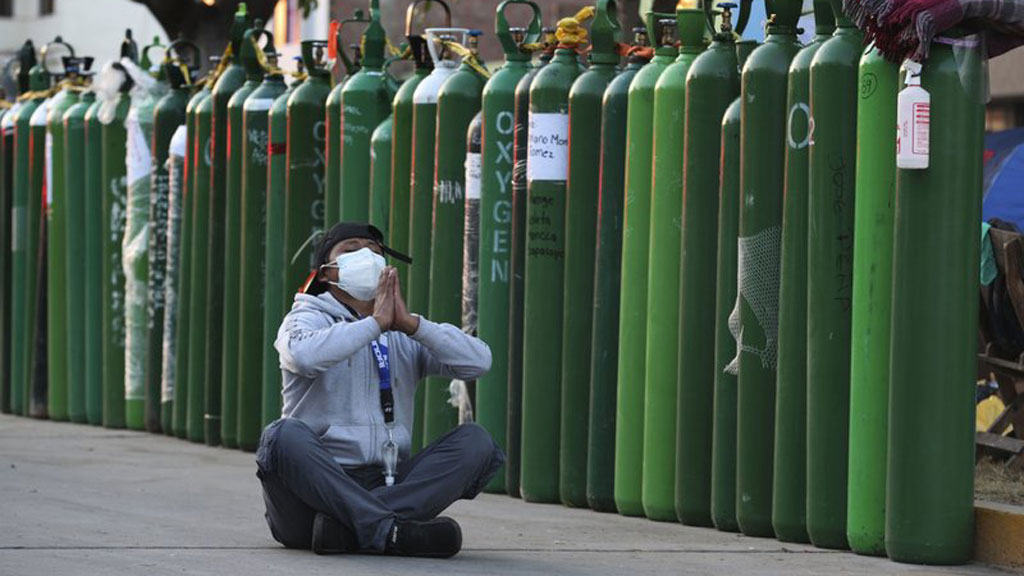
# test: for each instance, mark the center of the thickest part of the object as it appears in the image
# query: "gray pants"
(300, 479)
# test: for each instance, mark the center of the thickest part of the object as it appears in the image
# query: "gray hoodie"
(331, 381)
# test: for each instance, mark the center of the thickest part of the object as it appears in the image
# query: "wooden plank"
(1005, 444)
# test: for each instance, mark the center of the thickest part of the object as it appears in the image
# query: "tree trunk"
(207, 26)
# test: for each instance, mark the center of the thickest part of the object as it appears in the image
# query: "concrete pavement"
(78, 499)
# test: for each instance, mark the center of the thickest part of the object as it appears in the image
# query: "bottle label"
(922, 127)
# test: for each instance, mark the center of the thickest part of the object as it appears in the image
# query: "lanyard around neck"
(380, 355)
(387, 398)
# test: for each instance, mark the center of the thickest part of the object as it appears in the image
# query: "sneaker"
(437, 538)
(330, 537)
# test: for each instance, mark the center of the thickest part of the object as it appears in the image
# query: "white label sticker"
(473, 175)
(548, 149)
(257, 104)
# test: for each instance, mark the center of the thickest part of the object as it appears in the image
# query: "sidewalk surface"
(78, 499)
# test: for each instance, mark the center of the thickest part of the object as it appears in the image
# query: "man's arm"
(309, 345)
(444, 350)
(448, 352)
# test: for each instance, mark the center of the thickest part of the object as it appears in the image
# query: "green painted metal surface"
(789, 495)
(93, 242)
(661, 351)
(380, 176)
(221, 242)
(872, 302)
(233, 350)
(75, 182)
(497, 158)
(58, 363)
(712, 84)
(762, 175)
(630, 458)
(253, 296)
(830, 275)
(581, 208)
(543, 297)
(929, 494)
(608, 263)
(458, 101)
(275, 303)
(517, 264)
(200, 215)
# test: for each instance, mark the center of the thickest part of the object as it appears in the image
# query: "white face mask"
(359, 273)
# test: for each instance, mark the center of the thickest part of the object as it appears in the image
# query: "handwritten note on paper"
(548, 148)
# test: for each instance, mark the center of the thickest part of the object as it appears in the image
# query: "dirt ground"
(995, 482)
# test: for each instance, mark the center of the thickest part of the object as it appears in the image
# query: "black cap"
(337, 233)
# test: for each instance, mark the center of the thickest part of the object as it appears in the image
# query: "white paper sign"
(548, 147)
(474, 171)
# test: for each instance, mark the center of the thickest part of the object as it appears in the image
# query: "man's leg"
(457, 466)
(290, 520)
(293, 460)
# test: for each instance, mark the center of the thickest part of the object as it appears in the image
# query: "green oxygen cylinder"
(711, 86)
(182, 313)
(762, 176)
(607, 263)
(73, 126)
(180, 289)
(275, 304)
(471, 229)
(195, 156)
(17, 122)
(142, 395)
(401, 152)
(662, 351)
(496, 161)
(233, 350)
(37, 361)
(222, 242)
(114, 139)
(168, 118)
(872, 302)
(723, 436)
(252, 299)
(380, 175)
(458, 101)
(421, 178)
(200, 216)
(304, 179)
(365, 102)
(830, 272)
(581, 207)
(93, 280)
(424, 128)
(789, 495)
(544, 259)
(630, 458)
(517, 262)
(6, 167)
(170, 393)
(59, 382)
(332, 114)
(929, 490)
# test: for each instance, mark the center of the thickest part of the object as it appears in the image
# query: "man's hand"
(384, 303)
(404, 321)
